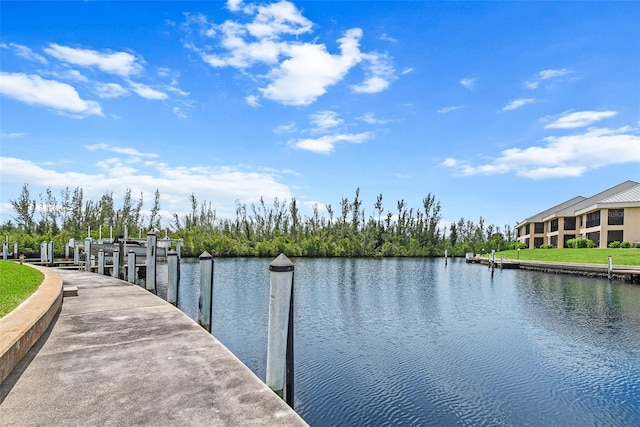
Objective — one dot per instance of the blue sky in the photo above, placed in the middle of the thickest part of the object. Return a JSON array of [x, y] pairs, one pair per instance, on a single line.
[[499, 109]]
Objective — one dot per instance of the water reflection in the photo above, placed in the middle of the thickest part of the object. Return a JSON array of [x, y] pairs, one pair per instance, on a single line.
[[415, 342]]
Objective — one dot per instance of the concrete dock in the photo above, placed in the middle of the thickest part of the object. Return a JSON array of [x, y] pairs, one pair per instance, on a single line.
[[117, 355]]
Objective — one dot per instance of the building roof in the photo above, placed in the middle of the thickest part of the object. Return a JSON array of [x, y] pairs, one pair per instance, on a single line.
[[592, 201], [630, 196], [539, 217], [624, 194]]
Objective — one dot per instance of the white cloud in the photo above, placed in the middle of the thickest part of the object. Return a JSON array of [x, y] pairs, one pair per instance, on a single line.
[[147, 92], [380, 74], [446, 110], [110, 90], [24, 52], [288, 128], [407, 71], [253, 100], [275, 19], [515, 104], [372, 119], [469, 82], [234, 5], [310, 70], [546, 75], [563, 156], [34, 90], [179, 113], [119, 63], [326, 143], [222, 186], [298, 72], [120, 150], [12, 134], [579, 119], [386, 37], [323, 120]]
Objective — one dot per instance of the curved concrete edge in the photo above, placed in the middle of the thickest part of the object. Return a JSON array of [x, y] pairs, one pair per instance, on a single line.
[[20, 329]]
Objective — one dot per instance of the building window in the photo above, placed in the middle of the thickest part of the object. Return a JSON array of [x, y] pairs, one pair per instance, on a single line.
[[553, 240], [527, 229], [554, 225], [538, 241], [594, 237], [526, 242], [570, 223], [614, 236], [539, 228], [616, 217], [593, 219]]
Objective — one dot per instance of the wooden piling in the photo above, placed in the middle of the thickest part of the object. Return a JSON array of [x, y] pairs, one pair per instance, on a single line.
[[610, 267], [87, 254], [101, 262], [150, 280], [173, 266], [131, 267], [116, 262], [205, 303], [50, 253], [280, 355]]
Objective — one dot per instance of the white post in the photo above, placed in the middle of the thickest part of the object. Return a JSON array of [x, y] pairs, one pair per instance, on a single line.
[[50, 253], [131, 267], [205, 303], [446, 253], [150, 281], [173, 265], [5, 250], [116, 264], [76, 254], [610, 268], [43, 252], [178, 247], [15, 249], [87, 254], [101, 262], [280, 334]]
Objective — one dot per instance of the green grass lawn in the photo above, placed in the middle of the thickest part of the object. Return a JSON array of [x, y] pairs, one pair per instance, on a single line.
[[630, 256], [17, 283]]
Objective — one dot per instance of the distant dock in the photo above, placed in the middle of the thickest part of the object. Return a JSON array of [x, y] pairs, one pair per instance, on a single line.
[[629, 274]]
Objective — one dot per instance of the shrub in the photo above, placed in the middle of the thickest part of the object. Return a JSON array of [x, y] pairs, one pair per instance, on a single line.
[[614, 244], [546, 246], [637, 245], [625, 245], [580, 242]]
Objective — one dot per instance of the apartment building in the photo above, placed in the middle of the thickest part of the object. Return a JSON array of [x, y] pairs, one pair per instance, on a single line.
[[611, 215]]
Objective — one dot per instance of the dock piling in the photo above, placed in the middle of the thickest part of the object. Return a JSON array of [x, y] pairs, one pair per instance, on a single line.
[[101, 262], [173, 266], [152, 241], [116, 263], [205, 303], [131, 266], [280, 356]]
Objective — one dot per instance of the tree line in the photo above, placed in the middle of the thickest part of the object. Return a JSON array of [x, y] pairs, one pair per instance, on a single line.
[[259, 229]]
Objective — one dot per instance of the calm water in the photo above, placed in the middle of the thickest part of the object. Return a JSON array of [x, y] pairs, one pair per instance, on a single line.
[[414, 342]]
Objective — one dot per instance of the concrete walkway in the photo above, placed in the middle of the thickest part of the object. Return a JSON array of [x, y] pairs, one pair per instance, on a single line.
[[117, 355]]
